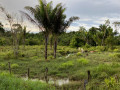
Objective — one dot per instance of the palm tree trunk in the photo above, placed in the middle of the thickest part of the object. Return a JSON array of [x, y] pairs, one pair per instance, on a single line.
[[51, 43], [46, 42], [23, 43], [55, 47]]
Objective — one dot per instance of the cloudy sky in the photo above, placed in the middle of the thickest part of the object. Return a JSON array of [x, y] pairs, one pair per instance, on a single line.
[[91, 12]]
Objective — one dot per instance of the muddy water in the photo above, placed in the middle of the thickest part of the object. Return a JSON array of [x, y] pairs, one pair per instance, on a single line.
[[58, 82]]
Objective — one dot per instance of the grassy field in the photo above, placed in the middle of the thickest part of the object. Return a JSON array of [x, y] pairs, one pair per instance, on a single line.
[[70, 63], [10, 82]]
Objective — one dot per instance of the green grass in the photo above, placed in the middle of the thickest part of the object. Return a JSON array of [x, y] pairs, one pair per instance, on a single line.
[[70, 63], [10, 82]]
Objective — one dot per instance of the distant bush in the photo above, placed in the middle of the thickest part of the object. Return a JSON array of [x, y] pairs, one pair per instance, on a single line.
[[66, 65], [77, 42], [79, 54], [78, 76], [9, 55], [87, 45], [103, 75], [115, 55], [110, 82], [83, 61], [2, 65], [14, 66], [108, 69], [50, 57], [101, 48], [116, 50], [64, 52]]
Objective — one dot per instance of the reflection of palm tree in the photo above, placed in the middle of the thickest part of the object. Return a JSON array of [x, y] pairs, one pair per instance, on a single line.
[[42, 14]]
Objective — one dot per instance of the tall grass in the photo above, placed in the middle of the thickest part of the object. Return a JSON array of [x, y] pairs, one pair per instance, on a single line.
[[10, 82]]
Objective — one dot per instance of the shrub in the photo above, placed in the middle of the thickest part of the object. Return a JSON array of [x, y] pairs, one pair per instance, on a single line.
[[83, 61], [115, 55], [14, 66], [116, 50], [2, 65], [110, 82], [76, 42], [66, 65], [50, 57], [103, 75], [79, 54], [64, 52], [108, 69], [9, 55], [78, 76], [101, 48], [87, 45]]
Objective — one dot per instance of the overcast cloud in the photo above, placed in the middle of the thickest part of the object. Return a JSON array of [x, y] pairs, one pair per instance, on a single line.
[[91, 12]]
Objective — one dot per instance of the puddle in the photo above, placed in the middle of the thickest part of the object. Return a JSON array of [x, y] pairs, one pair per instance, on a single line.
[[58, 82]]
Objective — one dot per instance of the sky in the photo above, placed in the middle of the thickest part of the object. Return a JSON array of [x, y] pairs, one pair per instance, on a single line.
[[91, 12]]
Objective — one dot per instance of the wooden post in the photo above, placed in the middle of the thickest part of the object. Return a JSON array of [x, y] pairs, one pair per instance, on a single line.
[[87, 54], [9, 67], [28, 73], [89, 75], [46, 76]]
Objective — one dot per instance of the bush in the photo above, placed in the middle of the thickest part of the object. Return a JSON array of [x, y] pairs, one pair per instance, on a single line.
[[2, 65], [115, 55], [116, 50], [87, 45], [64, 52], [110, 82], [79, 54], [50, 57], [14, 66], [108, 69], [103, 75], [67, 65], [9, 55], [77, 42], [83, 61], [78, 76], [101, 48]]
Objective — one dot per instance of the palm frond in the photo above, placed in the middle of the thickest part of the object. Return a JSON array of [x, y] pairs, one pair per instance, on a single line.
[[31, 9]]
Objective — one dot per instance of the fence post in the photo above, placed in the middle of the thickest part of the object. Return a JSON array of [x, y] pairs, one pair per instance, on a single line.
[[9, 67], [89, 75], [28, 73], [46, 76]]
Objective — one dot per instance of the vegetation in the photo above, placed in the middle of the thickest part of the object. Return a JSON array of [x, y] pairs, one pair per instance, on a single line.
[[89, 59], [11, 82], [102, 64]]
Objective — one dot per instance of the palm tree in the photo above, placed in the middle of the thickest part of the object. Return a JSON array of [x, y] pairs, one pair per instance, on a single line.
[[60, 24], [42, 14]]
